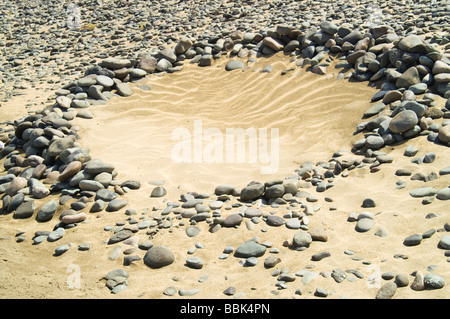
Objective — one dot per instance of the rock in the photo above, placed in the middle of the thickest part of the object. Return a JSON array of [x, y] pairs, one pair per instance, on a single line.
[[413, 240], [433, 281], [271, 261], [318, 234], [16, 185], [116, 204], [364, 224], [252, 191], [250, 249], [148, 63], [375, 109], [158, 191], [55, 235], [234, 65], [61, 250], [183, 45], [59, 145], [408, 78], [120, 236], [301, 239], [25, 210], [47, 211], [188, 292], [444, 242], [440, 67], [158, 256], [413, 44], [232, 220], [75, 218], [403, 121], [387, 291], [273, 44], [274, 220], [401, 280], [115, 63], [444, 134], [423, 192], [96, 167], [328, 27], [224, 190], [338, 275], [124, 89], [320, 292], [195, 262], [418, 283]]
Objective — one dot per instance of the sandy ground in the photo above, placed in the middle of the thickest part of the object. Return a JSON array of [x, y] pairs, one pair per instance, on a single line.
[[316, 116]]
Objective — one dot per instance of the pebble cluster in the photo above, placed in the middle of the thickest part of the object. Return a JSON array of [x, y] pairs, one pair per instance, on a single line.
[[43, 155]]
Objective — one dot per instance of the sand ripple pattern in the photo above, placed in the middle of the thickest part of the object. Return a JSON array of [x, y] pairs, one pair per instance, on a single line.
[[315, 115]]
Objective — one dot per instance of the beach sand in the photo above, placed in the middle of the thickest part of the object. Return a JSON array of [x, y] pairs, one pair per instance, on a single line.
[[316, 116]]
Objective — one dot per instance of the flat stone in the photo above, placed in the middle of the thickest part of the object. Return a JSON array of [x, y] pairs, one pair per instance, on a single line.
[[25, 210], [47, 211], [423, 192], [413, 240], [234, 65], [433, 281], [250, 249]]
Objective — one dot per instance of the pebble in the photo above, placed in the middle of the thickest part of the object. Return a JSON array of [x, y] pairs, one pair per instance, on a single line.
[[250, 249], [433, 281], [158, 256], [387, 291]]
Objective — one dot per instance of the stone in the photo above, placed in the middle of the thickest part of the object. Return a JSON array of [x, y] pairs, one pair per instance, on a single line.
[[274, 220], [418, 283], [120, 236], [232, 220], [401, 280], [158, 191], [234, 65], [116, 204], [413, 44], [46, 212], [25, 210], [194, 262], [183, 45], [413, 240], [423, 192], [409, 78], [444, 134], [159, 256], [301, 239], [387, 291], [15, 185], [61, 249], [252, 191], [271, 261], [273, 44], [55, 235], [444, 242], [250, 249], [328, 27], [364, 224], [148, 63], [403, 121], [124, 89], [433, 281], [75, 218]]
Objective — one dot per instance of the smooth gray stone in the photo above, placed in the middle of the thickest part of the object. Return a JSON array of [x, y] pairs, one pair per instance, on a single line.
[[116, 204], [25, 210], [56, 234], [46, 212], [250, 249], [158, 191], [195, 262], [443, 194], [433, 281], [188, 292], [106, 195], [232, 220], [444, 242], [61, 249], [274, 220], [252, 191], [423, 192], [120, 236], [413, 240], [158, 256], [364, 224]]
